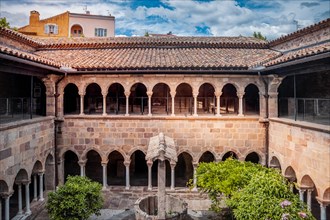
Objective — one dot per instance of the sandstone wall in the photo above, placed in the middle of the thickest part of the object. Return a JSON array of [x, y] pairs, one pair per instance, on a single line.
[[22, 144], [303, 147]]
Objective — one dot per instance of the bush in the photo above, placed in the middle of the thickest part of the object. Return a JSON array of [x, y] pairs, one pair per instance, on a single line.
[[76, 200]]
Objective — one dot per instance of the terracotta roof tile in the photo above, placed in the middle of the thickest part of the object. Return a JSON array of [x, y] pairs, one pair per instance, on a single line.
[[301, 53]]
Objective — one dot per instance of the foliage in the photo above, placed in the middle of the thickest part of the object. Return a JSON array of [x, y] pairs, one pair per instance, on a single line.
[[250, 190], [146, 34], [77, 199], [4, 23], [259, 36]]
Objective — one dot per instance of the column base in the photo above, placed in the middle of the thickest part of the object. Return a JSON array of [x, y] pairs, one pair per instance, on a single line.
[[126, 114], [195, 115], [149, 188], [194, 189], [172, 189], [172, 115], [127, 187], [41, 199], [240, 115], [218, 115], [28, 212], [149, 115], [104, 114], [104, 188]]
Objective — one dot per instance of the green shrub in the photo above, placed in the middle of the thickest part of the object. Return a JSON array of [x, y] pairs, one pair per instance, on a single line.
[[76, 200]]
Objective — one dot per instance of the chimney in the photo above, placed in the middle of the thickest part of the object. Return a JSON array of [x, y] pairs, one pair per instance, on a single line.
[[34, 18]]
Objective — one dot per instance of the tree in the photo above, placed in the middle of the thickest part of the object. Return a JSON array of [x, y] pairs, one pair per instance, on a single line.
[[259, 36], [250, 190], [146, 34], [76, 200], [4, 23]]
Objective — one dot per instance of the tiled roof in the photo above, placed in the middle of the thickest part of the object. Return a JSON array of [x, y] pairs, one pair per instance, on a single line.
[[318, 26], [160, 58], [18, 36], [300, 53], [30, 56]]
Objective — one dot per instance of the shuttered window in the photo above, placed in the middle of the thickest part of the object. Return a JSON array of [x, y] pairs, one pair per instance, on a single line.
[[51, 29], [100, 32]]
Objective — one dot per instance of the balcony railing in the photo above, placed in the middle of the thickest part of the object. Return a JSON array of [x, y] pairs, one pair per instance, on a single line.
[[305, 109]]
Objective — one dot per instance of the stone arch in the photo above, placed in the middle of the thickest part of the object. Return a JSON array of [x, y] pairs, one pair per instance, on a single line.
[[93, 99], [275, 163], [3, 187], [22, 175], [290, 174], [307, 182], [251, 102], [116, 168], [138, 169], [161, 100], [229, 154], [71, 166], [229, 99], [88, 149], [37, 167], [184, 169], [76, 30], [253, 157], [130, 153], [183, 101], [93, 167], [64, 150], [138, 99], [206, 100], [326, 194], [207, 157], [71, 99], [274, 84], [49, 172], [256, 84], [123, 154], [116, 99], [206, 82]]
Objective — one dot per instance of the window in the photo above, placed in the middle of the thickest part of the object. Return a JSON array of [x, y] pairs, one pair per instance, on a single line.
[[100, 32], [51, 29]]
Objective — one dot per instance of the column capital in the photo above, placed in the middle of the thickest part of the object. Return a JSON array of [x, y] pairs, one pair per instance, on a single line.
[[150, 162], [240, 94], [322, 202], [104, 93], [26, 182], [104, 162], [82, 93], [195, 94], [173, 93], [6, 195], [149, 93], [127, 93], [218, 93], [82, 162], [127, 162]]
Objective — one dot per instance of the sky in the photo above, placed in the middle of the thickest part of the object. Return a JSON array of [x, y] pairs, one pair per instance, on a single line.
[[273, 18]]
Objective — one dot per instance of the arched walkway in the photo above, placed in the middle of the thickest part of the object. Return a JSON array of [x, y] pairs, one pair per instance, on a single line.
[[138, 99], [155, 173], [229, 100], [21, 197], [183, 170], [206, 100], [93, 100], [71, 166], [161, 101], [50, 173], [184, 101], [116, 99], [251, 100], [207, 157], [116, 169], [253, 157], [138, 169], [229, 154], [71, 99], [93, 166], [275, 163], [4, 190]]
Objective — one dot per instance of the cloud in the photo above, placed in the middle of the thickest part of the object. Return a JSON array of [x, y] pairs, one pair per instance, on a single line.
[[309, 4]]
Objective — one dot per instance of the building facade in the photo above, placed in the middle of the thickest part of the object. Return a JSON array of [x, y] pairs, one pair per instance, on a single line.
[[82, 107], [70, 24]]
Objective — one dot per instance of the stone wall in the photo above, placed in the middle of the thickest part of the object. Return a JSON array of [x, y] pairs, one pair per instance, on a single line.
[[22, 144], [304, 147], [194, 135]]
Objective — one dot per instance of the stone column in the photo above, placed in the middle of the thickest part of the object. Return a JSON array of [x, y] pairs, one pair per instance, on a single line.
[[82, 103], [161, 189], [35, 188], [149, 103], [104, 169], [301, 194], [20, 210], [195, 177], [82, 167], [173, 99], [240, 103], [27, 197], [104, 95], [218, 94], [149, 164], [195, 104], [127, 163], [0, 207], [309, 199], [262, 105], [7, 197], [60, 171], [173, 176], [273, 104], [323, 211], [127, 102], [41, 186]]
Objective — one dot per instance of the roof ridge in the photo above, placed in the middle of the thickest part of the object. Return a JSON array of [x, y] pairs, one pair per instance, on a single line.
[[19, 36]]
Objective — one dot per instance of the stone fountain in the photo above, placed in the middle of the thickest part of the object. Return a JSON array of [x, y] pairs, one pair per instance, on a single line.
[[161, 206]]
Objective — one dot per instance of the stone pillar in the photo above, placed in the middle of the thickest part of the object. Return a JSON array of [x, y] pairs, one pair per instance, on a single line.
[[195, 177], [82, 103], [323, 211], [127, 163], [20, 210], [127, 102], [7, 197], [149, 164], [41, 186], [149, 103], [262, 105], [240, 103], [301, 194], [309, 199], [35, 188], [0, 207], [273, 104], [104, 169], [104, 95], [173, 99], [27, 197], [60, 171], [161, 189], [218, 94], [195, 104], [173, 176], [82, 167]]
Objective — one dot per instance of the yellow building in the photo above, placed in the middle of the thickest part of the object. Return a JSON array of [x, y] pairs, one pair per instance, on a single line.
[[70, 25]]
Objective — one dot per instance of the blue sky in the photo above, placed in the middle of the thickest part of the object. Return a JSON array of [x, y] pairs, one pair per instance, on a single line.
[[273, 18]]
